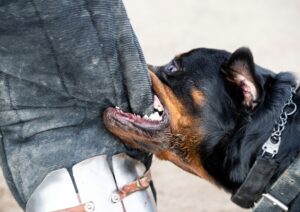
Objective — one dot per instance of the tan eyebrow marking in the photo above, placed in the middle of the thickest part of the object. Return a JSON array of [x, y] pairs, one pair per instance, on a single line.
[[197, 97]]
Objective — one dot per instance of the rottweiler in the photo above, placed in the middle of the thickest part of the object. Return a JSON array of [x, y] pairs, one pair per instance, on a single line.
[[214, 112]]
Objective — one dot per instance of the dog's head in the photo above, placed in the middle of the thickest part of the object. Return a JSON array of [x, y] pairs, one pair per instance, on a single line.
[[199, 94]]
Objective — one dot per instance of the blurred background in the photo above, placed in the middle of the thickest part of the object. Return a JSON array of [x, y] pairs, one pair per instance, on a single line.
[[271, 28]]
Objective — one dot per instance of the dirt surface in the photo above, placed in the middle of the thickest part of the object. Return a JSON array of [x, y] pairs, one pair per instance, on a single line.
[[165, 28]]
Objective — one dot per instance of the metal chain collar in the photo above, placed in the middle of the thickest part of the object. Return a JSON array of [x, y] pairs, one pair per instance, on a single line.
[[271, 146]]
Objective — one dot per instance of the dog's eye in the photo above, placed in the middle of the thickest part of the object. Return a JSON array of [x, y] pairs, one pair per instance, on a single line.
[[172, 68]]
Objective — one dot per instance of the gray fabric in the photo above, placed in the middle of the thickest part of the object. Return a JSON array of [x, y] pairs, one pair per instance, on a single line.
[[61, 64]]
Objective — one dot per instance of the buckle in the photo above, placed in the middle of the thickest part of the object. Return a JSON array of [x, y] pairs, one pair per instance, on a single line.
[[276, 202], [271, 147]]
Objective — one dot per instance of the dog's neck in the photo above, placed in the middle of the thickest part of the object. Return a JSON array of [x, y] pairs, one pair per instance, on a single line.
[[230, 158]]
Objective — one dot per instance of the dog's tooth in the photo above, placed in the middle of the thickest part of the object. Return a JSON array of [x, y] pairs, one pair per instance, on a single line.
[[155, 116], [160, 109], [118, 109], [145, 117], [157, 104], [151, 116]]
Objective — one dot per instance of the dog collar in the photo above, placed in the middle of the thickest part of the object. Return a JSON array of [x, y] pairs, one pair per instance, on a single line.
[[265, 166], [271, 146], [283, 191]]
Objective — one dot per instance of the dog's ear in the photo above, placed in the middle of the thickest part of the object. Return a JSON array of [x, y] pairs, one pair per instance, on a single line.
[[240, 72]]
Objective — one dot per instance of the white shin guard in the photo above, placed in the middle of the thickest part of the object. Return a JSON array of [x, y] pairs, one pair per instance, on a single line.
[[97, 188]]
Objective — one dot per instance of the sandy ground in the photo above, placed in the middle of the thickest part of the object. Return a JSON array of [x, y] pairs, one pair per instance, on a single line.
[[165, 28]]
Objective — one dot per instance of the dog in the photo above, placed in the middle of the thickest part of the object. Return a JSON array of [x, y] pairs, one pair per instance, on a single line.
[[214, 110]]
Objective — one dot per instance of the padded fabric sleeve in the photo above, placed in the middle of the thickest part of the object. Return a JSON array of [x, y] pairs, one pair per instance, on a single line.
[[61, 64]]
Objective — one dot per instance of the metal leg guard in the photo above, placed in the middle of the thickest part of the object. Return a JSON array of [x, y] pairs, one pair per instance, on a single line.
[[128, 170], [96, 187], [55, 192]]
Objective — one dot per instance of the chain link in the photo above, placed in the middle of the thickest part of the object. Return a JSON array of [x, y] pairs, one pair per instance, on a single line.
[[272, 144]]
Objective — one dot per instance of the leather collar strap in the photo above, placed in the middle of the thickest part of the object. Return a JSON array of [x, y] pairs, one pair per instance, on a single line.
[[255, 183], [283, 191]]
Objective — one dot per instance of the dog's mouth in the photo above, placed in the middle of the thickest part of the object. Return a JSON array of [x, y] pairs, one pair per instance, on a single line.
[[125, 124]]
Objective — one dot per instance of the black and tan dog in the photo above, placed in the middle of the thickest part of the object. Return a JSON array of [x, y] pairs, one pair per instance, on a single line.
[[215, 110]]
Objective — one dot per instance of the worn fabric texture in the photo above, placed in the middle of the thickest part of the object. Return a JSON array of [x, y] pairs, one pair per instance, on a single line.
[[61, 64]]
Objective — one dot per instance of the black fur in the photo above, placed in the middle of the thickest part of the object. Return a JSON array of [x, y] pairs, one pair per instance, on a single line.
[[234, 133]]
